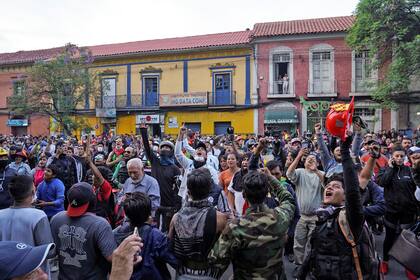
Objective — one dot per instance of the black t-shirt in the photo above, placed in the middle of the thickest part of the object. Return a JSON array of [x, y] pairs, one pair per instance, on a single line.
[[5, 176]]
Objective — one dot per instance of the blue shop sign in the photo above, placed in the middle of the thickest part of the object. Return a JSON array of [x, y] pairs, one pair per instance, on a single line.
[[17, 122]]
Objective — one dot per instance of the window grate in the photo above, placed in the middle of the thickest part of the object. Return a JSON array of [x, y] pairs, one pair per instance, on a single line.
[[321, 55], [281, 57]]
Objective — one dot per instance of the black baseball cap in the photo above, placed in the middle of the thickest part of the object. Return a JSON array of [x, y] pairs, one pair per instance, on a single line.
[[80, 196], [201, 145]]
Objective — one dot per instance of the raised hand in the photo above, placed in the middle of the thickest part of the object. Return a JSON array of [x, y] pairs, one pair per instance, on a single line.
[[125, 257], [182, 132], [303, 152], [318, 128], [262, 142]]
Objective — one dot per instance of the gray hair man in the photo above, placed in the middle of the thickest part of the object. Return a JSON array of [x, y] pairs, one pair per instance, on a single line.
[[141, 182]]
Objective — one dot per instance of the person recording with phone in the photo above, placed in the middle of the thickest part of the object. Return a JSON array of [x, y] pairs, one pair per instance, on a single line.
[[156, 251]]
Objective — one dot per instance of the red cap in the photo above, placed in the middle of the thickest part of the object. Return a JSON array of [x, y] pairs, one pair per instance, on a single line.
[[77, 211], [79, 197]]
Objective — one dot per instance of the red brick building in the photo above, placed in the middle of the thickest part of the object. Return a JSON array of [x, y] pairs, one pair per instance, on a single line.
[[320, 68], [12, 73]]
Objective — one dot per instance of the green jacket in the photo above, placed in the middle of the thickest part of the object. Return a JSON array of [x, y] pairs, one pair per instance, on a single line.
[[254, 242]]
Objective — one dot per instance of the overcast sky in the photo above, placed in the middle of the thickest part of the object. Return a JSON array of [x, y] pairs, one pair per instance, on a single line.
[[37, 24]]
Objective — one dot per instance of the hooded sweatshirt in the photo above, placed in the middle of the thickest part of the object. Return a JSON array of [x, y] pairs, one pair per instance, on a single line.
[[399, 189], [156, 252]]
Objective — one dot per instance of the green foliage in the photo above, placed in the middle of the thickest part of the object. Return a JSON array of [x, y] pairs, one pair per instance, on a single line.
[[57, 87], [390, 30]]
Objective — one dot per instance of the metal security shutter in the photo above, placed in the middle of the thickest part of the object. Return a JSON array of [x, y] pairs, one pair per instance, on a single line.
[[193, 126]]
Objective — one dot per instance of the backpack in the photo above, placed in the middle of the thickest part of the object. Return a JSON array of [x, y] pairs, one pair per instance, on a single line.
[[335, 254], [364, 253]]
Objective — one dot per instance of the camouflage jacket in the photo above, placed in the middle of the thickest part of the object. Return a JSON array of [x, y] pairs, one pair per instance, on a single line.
[[254, 242]]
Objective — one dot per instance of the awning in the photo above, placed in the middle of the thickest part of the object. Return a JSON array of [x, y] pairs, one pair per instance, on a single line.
[[281, 113]]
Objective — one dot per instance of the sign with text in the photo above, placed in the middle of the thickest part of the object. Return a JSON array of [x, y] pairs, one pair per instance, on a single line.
[[17, 122], [183, 99], [148, 119], [173, 122], [106, 112]]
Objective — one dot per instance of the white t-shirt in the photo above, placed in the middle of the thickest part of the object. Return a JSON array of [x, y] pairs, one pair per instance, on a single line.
[[239, 199]]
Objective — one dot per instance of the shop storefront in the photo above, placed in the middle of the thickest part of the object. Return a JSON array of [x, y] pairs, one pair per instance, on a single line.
[[279, 117], [19, 127], [315, 111], [154, 121], [108, 117]]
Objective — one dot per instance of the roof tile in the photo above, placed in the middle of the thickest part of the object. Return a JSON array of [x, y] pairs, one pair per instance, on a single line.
[[320, 25], [305, 26], [148, 46], [28, 56], [173, 44]]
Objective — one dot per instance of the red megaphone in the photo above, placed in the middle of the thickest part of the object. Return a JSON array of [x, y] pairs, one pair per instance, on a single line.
[[339, 119]]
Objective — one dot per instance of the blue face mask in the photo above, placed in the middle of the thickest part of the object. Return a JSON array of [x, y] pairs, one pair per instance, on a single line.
[[166, 158]]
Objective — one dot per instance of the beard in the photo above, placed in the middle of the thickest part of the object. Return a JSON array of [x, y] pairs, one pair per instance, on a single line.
[[136, 180]]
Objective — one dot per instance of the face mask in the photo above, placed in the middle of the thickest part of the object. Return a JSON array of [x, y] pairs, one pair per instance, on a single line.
[[155, 148], [3, 163], [165, 153], [100, 149], [199, 158]]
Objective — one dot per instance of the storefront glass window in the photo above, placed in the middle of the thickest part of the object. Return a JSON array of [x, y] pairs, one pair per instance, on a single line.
[[315, 117]]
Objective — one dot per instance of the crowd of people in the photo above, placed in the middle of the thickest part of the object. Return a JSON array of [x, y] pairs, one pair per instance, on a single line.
[[130, 207]]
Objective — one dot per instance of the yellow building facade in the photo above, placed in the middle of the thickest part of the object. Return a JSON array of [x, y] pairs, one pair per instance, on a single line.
[[207, 90]]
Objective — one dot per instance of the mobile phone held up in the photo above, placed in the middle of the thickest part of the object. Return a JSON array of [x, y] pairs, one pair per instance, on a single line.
[[230, 130]]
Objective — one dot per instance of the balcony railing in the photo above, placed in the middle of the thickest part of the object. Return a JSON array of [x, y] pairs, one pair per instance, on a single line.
[[221, 99], [363, 87], [205, 99], [119, 101], [278, 91], [322, 88], [105, 102]]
